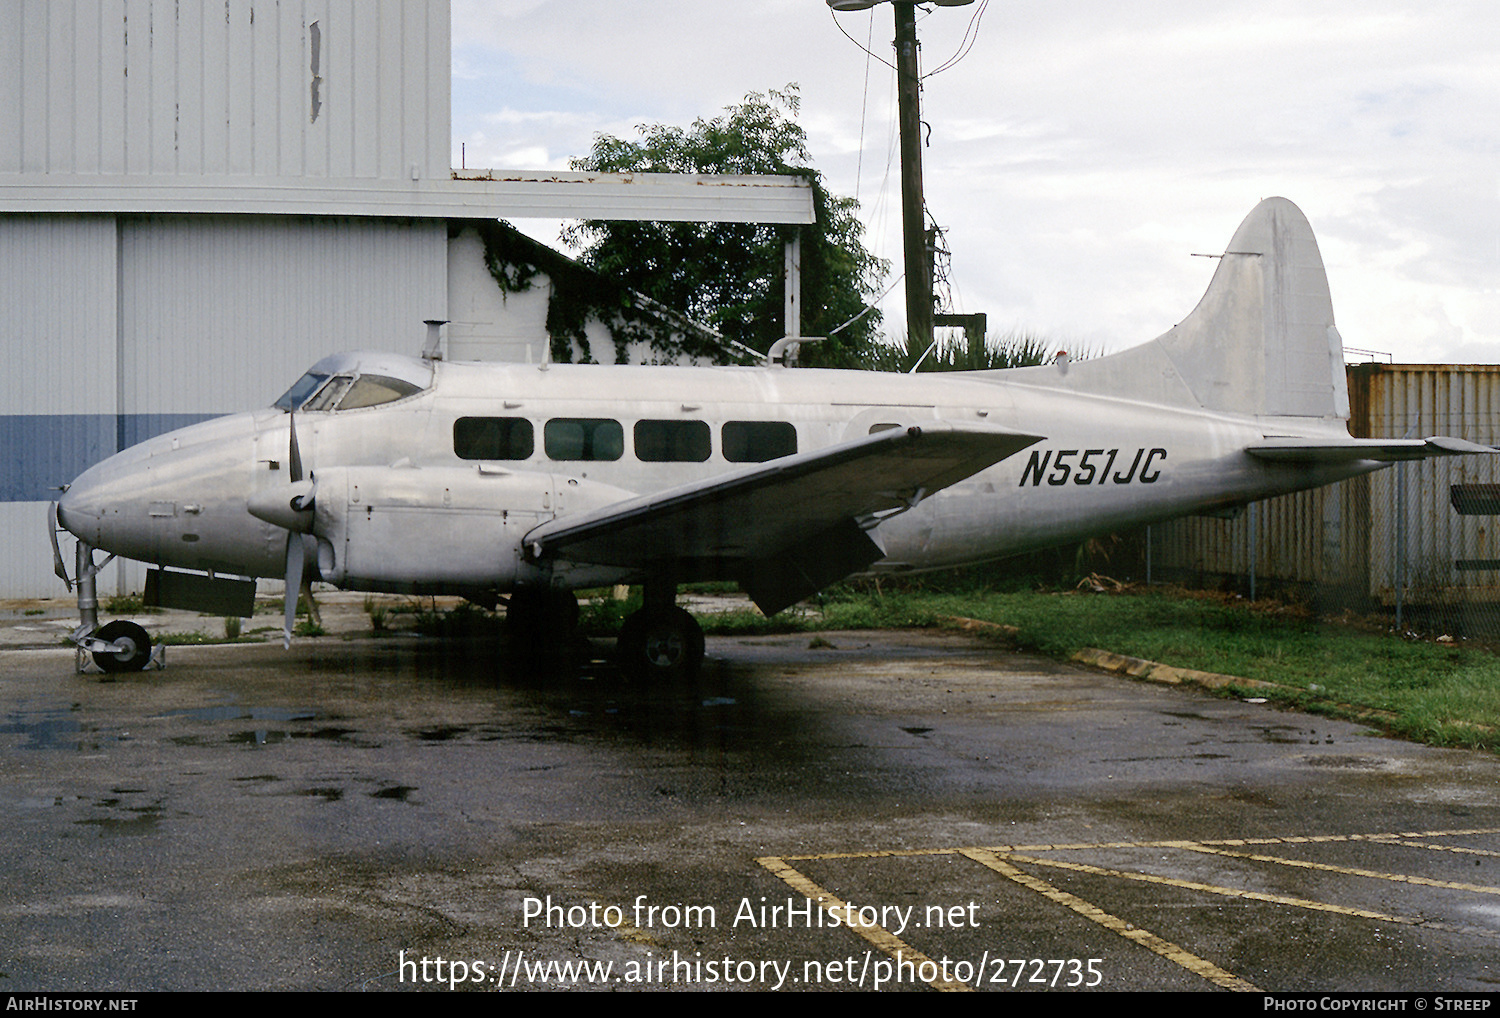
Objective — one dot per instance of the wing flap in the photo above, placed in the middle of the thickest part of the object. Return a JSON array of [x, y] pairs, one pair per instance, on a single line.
[[723, 525]]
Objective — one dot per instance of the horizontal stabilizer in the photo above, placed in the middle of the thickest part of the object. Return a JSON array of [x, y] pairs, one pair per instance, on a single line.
[[1349, 450]]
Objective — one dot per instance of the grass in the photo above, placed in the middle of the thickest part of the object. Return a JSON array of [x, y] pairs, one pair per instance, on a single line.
[[129, 604], [201, 639]]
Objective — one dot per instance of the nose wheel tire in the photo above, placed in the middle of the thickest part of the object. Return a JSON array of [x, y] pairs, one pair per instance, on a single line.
[[135, 647], [663, 643]]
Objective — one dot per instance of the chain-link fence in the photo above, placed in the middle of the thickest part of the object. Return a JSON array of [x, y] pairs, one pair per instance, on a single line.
[[1417, 542]]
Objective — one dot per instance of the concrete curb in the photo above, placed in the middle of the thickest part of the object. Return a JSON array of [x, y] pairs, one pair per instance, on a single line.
[[1155, 671]]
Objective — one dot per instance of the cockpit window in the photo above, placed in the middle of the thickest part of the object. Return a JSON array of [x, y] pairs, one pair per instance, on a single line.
[[315, 391], [350, 381], [373, 390], [300, 390], [328, 397]]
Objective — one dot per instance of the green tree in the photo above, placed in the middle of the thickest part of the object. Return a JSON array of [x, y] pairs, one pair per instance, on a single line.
[[730, 275]]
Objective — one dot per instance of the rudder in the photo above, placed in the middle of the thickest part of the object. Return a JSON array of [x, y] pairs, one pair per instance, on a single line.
[[1262, 340]]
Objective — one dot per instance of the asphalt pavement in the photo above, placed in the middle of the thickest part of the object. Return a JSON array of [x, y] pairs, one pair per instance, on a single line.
[[907, 810]]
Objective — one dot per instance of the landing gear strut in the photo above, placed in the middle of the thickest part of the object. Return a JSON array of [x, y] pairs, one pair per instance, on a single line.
[[117, 646], [660, 640]]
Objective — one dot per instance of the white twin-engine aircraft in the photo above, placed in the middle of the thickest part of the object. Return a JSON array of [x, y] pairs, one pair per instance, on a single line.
[[525, 483]]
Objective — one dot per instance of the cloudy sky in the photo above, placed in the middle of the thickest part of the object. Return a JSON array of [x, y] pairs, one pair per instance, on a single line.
[[1080, 153]]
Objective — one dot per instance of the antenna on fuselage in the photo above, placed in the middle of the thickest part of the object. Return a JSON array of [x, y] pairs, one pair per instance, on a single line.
[[431, 351]]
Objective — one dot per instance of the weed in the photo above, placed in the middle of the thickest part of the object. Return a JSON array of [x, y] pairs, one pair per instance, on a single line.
[[464, 619], [129, 604], [377, 611]]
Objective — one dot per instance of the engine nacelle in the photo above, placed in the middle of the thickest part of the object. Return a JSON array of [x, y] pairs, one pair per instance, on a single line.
[[438, 529]]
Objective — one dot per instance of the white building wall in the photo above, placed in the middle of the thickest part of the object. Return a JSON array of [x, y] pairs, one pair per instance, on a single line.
[[487, 323]]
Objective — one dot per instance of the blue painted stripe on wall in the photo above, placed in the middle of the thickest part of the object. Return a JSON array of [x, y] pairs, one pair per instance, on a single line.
[[41, 452]]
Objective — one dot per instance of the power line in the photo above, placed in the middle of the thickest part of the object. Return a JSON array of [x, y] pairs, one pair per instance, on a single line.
[[971, 36]]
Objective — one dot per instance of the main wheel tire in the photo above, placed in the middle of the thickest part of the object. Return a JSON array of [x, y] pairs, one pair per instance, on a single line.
[[135, 647], [665, 643]]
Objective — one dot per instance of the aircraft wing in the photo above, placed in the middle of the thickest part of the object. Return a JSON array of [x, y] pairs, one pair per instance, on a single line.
[[1300, 450], [784, 528]]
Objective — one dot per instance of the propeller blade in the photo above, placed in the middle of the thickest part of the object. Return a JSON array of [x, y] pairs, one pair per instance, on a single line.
[[294, 555], [305, 499]]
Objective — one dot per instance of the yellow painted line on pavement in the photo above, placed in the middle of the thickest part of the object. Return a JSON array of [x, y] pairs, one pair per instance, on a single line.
[[1400, 878], [1428, 846], [1229, 892], [1004, 859], [879, 936], [1274, 899], [1077, 846], [1168, 950]]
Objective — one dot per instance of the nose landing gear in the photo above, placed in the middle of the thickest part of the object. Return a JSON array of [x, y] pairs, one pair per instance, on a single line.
[[115, 647], [134, 647]]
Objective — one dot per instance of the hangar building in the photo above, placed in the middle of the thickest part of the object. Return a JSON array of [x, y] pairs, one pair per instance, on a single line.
[[199, 199]]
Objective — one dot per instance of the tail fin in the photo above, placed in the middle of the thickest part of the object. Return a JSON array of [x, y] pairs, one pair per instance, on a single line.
[[1261, 341]]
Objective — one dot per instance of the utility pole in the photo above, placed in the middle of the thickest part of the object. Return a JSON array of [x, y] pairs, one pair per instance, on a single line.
[[913, 213], [913, 206]]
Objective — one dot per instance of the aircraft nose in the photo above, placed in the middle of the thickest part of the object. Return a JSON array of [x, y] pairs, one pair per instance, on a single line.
[[175, 500], [80, 509]]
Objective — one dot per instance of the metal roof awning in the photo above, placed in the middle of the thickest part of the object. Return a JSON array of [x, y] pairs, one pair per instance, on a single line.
[[466, 194]]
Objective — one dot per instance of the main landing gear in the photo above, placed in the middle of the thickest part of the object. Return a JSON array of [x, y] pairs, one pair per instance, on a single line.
[[660, 640]]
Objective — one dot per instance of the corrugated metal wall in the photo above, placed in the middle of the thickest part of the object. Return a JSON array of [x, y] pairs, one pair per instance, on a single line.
[[117, 327], [125, 327], [226, 311], [269, 88], [57, 394], [1417, 536], [1370, 542]]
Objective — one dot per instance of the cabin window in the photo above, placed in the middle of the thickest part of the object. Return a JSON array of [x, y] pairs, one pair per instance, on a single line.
[[758, 441], [493, 438], [671, 441], [583, 438]]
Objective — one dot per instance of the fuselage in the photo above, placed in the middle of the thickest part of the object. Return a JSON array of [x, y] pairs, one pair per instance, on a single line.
[[573, 437]]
